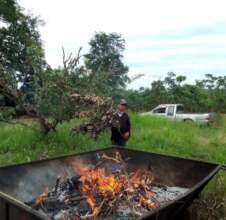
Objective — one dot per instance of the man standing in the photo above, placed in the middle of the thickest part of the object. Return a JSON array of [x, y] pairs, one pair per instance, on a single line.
[[120, 130]]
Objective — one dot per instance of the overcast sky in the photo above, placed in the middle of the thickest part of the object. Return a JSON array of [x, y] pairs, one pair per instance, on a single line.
[[184, 36]]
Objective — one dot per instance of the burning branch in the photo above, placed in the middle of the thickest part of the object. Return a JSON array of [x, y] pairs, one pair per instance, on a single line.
[[104, 192]]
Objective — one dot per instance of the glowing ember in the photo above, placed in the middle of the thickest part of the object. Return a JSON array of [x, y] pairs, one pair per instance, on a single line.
[[41, 197]]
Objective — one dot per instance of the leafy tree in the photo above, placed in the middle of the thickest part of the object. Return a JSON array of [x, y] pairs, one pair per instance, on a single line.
[[30, 84], [208, 94], [21, 52], [106, 56], [8, 10], [158, 93]]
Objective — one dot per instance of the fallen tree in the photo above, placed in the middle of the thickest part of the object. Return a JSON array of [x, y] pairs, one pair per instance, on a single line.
[[55, 99]]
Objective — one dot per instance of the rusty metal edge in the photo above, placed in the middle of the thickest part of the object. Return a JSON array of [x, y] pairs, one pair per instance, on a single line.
[[22, 205]]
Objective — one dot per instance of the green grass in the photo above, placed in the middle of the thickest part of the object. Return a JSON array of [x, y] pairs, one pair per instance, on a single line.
[[180, 138], [19, 144]]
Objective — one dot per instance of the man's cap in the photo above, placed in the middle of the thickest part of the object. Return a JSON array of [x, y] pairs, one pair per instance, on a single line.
[[123, 102]]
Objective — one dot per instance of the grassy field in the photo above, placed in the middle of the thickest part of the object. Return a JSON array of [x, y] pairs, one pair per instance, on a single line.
[[19, 144]]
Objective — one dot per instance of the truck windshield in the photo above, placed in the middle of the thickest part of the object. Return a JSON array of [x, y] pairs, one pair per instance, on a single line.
[[180, 109]]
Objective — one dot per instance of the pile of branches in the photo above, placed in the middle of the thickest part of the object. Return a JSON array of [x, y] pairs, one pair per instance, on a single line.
[[98, 192], [103, 117]]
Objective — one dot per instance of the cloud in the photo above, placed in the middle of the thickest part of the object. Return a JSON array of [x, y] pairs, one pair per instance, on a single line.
[[183, 36], [175, 54], [198, 42], [192, 51]]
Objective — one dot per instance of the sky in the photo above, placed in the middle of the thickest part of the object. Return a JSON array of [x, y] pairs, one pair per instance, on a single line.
[[187, 37]]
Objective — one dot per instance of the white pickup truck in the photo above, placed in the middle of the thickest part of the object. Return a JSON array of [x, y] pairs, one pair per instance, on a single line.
[[176, 111]]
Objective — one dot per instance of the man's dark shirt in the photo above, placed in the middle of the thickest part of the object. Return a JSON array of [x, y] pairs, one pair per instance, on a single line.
[[124, 123]]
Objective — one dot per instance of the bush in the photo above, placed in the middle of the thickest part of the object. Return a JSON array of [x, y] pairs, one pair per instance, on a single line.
[[7, 112]]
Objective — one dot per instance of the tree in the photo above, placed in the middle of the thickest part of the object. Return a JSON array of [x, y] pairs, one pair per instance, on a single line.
[[21, 52], [8, 10], [56, 99], [158, 93], [174, 87], [21, 55], [28, 83], [106, 56]]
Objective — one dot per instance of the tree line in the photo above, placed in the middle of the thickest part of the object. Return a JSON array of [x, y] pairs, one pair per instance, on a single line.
[[206, 95], [30, 86]]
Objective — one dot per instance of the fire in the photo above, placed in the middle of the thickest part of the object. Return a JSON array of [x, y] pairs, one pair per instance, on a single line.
[[91, 201], [97, 182], [105, 191], [41, 197], [146, 202]]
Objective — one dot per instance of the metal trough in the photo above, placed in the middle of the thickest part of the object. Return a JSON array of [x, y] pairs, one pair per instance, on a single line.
[[23, 182]]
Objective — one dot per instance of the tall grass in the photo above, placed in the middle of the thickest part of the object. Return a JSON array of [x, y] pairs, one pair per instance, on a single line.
[[21, 144], [185, 139]]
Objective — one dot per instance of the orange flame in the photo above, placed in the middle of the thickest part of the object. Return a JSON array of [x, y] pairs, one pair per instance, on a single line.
[[41, 197], [97, 182]]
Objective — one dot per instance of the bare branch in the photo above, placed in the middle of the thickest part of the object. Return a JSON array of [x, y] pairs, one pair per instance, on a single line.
[[71, 62], [137, 76]]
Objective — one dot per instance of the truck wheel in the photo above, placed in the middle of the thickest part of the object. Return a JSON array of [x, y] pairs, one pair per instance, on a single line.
[[188, 120]]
